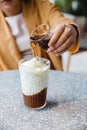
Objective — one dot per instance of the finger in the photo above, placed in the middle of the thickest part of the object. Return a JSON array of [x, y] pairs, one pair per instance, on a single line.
[[66, 34], [57, 34], [73, 30], [65, 46], [59, 53]]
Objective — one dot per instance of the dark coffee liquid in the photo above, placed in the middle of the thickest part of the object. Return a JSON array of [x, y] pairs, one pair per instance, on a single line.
[[41, 40], [36, 100]]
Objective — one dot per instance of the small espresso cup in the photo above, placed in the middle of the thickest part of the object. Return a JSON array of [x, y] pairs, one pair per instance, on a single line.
[[41, 36], [34, 81]]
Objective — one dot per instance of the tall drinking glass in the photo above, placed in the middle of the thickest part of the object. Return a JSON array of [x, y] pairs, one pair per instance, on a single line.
[[34, 81]]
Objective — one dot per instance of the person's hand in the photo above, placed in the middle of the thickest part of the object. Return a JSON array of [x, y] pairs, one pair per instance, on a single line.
[[62, 39]]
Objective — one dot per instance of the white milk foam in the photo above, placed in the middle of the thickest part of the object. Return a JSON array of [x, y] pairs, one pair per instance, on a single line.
[[34, 75]]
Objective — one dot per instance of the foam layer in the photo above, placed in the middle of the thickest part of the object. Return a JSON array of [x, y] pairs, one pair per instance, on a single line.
[[35, 77]]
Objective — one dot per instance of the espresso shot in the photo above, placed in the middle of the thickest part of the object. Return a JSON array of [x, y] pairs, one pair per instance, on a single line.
[[41, 36]]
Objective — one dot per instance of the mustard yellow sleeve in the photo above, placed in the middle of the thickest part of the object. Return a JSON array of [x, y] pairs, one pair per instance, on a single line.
[[0, 68]]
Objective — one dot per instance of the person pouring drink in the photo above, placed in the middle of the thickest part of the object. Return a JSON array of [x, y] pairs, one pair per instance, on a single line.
[[18, 18]]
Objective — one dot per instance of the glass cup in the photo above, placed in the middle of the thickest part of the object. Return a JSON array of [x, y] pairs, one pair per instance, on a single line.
[[41, 36], [34, 81]]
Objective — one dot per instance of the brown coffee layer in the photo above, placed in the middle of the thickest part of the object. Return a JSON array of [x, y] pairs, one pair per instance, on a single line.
[[36, 100], [41, 40]]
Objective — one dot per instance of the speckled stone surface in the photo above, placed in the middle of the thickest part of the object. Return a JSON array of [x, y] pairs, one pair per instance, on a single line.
[[66, 107]]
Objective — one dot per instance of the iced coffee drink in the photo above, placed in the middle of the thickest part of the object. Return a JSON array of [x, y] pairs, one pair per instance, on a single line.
[[34, 81]]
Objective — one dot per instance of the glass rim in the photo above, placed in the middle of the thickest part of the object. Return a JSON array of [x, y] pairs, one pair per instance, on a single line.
[[38, 27], [28, 58]]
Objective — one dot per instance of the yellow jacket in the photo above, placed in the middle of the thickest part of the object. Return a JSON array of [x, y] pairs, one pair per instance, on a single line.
[[35, 13]]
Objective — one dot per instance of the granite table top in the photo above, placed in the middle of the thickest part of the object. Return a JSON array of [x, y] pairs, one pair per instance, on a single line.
[[66, 107]]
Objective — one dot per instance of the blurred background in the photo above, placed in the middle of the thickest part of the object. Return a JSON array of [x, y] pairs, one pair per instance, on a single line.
[[77, 11]]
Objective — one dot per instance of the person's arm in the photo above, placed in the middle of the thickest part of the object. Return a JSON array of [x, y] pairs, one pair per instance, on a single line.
[[50, 13], [72, 28]]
